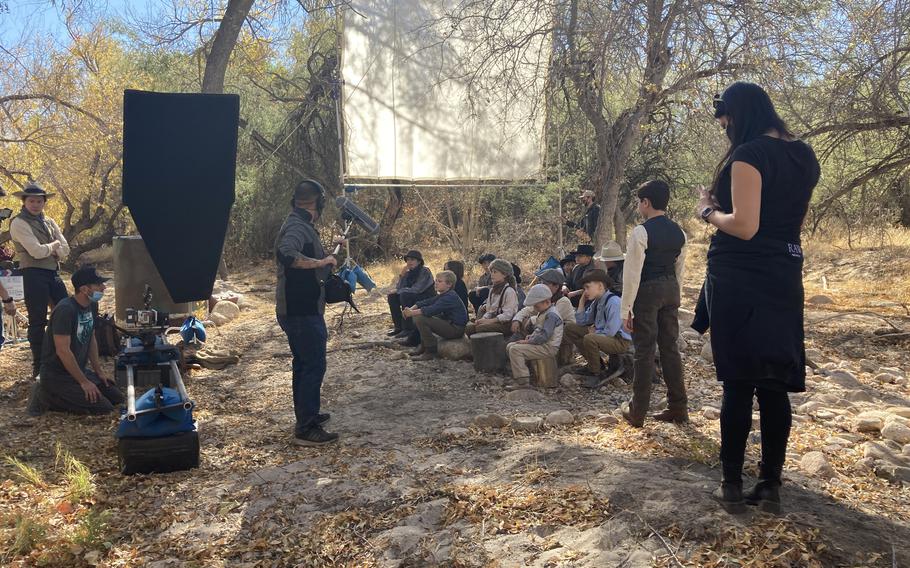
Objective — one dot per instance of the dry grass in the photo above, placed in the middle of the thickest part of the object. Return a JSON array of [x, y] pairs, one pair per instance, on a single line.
[[26, 472]]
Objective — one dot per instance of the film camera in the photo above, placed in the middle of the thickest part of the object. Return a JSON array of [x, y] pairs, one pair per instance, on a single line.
[[146, 317]]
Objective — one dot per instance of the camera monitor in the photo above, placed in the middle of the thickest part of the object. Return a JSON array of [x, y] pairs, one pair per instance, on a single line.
[[179, 157]]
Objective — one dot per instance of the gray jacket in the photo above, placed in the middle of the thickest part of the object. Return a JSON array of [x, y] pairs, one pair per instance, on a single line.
[[299, 291]]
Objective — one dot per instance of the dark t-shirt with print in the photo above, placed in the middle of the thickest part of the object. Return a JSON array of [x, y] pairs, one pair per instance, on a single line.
[[68, 318]]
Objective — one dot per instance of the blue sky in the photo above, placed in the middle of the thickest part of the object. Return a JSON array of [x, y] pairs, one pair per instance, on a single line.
[[44, 16]]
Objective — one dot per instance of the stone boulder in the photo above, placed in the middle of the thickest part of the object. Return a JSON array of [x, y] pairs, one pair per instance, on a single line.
[[525, 395], [559, 418], [455, 432], [527, 423], [843, 378], [490, 421], [871, 421], [711, 413], [706, 352], [886, 378], [569, 381], [820, 300], [816, 464], [896, 432], [219, 319], [226, 308], [455, 349]]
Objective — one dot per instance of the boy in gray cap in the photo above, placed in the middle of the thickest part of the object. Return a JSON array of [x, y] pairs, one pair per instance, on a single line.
[[545, 339]]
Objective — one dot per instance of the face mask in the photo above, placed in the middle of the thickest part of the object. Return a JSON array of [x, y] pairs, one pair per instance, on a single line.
[[96, 296]]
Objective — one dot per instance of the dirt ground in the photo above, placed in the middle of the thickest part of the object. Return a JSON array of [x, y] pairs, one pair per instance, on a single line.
[[414, 481]]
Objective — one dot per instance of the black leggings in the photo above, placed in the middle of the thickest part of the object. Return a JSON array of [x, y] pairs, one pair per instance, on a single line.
[[42, 288], [736, 421]]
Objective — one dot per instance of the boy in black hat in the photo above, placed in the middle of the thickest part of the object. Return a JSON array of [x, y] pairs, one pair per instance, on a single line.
[[415, 283], [584, 263], [65, 383]]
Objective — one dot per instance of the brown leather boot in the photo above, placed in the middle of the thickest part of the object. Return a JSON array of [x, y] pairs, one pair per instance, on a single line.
[[675, 416], [632, 420]]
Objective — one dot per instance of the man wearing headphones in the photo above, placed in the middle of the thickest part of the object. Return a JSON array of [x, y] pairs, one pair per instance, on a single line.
[[303, 266]]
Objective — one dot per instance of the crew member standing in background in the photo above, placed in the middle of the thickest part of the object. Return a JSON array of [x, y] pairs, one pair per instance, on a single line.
[[303, 266], [585, 227], [40, 246]]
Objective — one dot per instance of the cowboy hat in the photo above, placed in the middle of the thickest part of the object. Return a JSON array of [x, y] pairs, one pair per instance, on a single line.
[[610, 252], [33, 190], [584, 250]]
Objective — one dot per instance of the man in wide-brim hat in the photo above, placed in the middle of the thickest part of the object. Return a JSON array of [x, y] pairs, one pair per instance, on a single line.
[[613, 258], [584, 263], [40, 246], [585, 227]]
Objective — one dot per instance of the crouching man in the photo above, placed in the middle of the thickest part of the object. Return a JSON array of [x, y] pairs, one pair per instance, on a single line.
[[66, 385], [444, 314], [545, 338]]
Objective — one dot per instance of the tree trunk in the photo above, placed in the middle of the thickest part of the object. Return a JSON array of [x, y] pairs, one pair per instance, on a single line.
[[216, 62], [393, 207]]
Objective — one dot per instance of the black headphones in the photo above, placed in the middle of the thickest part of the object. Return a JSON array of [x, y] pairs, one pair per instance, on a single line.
[[311, 186]]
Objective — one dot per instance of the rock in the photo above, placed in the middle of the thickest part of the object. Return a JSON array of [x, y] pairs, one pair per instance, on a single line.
[[610, 420], [893, 371], [219, 319], [893, 472], [877, 451], [816, 356], [455, 432], [902, 411], [897, 432], [824, 414], [886, 378], [906, 450], [588, 415], [902, 382], [816, 464], [617, 382], [398, 356], [527, 423], [809, 407], [711, 413], [568, 381], [455, 349], [559, 418], [490, 421], [868, 422], [681, 343], [706, 352], [691, 335], [820, 300], [844, 378], [858, 396], [228, 309], [868, 366], [92, 558], [524, 395], [400, 540]]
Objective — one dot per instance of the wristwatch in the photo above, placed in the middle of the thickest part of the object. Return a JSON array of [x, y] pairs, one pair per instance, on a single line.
[[8, 300], [706, 213]]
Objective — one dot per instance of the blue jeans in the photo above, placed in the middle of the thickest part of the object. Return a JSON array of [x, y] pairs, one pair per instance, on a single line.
[[307, 336]]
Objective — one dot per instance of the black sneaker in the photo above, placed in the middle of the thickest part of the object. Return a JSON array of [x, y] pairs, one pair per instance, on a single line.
[[765, 495], [314, 436], [393, 332]]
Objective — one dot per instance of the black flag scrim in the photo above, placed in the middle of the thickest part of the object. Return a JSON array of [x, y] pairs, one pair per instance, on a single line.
[[179, 156]]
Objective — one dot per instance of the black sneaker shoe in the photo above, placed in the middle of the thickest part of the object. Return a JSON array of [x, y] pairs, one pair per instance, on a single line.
[[314, 436], [401, 334], [393, 333]]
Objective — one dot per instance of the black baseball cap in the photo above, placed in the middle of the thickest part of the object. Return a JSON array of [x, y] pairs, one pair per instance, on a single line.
[[87, 275]]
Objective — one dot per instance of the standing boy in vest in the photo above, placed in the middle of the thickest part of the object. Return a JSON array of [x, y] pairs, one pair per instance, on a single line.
[[652, 278]]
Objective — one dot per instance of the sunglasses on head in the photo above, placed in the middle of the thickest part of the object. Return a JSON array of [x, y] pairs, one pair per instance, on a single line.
[[720, 107]]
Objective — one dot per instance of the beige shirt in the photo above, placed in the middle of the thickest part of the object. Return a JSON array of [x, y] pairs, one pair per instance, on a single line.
[[631, 271], [22, 233], [509, 305]]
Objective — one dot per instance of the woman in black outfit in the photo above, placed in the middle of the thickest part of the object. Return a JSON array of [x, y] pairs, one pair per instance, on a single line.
[[753, 294]]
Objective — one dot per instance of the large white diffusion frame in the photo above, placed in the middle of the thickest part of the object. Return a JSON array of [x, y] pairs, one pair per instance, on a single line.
[[415, 106]]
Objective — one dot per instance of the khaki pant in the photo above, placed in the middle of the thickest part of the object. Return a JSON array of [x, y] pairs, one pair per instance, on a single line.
[[590, 344], [427, 326], [503, 327], [521, 353]]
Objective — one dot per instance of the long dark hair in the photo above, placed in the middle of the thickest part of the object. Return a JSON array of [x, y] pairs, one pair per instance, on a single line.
[[751, 113]]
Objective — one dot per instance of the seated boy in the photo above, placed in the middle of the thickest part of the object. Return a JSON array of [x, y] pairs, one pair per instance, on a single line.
[[495, 315], [545, 339], [444, 314], [598, 326], [415, 283]]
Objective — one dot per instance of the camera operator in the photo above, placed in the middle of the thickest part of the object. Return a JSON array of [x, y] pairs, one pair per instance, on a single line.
[[303, 266], [40, 246], [66, 384]]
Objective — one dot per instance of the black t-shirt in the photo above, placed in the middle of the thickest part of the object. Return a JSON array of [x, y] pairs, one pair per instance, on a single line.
[[68, 318], [789, 172], [462, 290]]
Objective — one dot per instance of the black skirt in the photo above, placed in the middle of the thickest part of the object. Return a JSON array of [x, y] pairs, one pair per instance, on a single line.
[[754, 298]]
